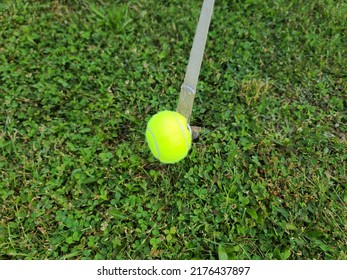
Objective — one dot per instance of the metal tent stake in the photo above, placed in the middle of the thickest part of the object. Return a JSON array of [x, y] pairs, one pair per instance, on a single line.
[[188, 88]]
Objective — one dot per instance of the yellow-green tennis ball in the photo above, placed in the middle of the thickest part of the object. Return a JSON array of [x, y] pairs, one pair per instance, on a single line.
[[168, 136]]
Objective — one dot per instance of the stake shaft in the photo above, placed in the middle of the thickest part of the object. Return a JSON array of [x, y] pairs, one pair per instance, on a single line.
[[188, 88]]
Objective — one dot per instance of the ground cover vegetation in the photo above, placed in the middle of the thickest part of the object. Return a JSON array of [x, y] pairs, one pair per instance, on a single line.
[[265, 180]]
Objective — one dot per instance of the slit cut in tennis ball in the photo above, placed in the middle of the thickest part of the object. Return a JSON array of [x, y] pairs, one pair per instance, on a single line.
[[168, 136]]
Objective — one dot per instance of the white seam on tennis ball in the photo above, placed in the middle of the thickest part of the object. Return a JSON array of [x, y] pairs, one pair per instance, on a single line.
[[189, 128], [184, 133], [155, 142], [190, 132]]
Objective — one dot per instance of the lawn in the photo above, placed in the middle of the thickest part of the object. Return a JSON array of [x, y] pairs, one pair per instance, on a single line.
[[267, 177]]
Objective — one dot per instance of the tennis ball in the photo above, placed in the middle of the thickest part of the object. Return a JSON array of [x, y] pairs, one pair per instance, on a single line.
[[168, 136]]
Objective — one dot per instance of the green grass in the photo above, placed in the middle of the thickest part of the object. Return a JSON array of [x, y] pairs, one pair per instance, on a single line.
[[265, 180]]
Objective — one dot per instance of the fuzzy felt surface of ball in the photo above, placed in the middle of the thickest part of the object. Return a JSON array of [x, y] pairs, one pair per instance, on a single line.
[[168, 136]]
